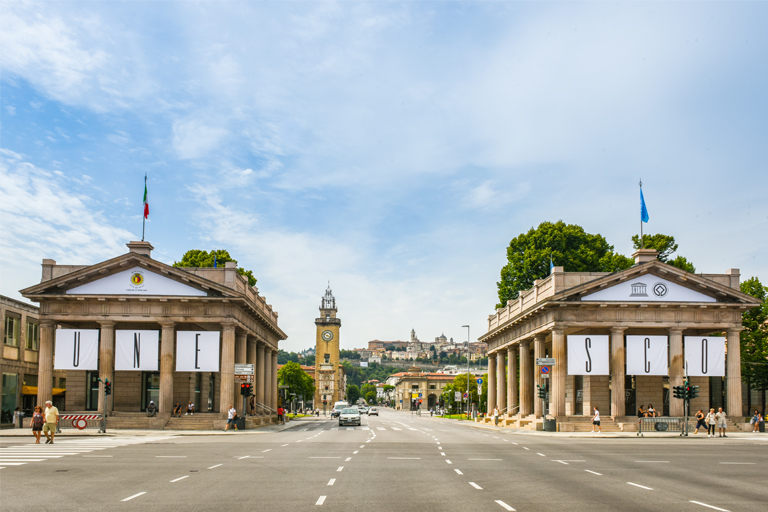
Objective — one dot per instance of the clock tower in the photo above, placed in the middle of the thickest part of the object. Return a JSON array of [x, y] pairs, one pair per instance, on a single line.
[[328, 381]]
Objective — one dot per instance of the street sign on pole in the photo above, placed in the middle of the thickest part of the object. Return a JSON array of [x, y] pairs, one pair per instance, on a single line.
[[479, 389], [244, 369], [479, 381], [457, 396], [548, 361], [544, 370]]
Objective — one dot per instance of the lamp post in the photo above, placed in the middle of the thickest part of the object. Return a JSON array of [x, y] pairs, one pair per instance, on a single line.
[[467, 347]]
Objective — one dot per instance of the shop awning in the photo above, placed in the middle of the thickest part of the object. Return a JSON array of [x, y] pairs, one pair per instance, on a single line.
[[32, 390]]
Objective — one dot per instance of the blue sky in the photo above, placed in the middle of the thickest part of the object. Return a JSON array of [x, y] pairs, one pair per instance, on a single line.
[[390, 148]]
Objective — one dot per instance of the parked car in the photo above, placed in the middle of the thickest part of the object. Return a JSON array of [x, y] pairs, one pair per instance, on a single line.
[[349, 416], [373, 411]]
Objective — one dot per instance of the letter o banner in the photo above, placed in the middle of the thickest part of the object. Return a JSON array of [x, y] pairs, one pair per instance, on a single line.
[[80, 423]]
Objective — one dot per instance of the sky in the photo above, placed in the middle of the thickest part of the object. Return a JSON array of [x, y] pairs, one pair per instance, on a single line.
[[392, 149]]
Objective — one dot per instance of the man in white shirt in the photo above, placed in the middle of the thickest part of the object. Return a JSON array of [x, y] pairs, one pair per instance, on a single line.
[[231, 415], [721, 422], [51, 415]]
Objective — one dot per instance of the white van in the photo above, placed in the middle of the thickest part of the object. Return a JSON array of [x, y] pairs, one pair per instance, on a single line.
[[337, 407]]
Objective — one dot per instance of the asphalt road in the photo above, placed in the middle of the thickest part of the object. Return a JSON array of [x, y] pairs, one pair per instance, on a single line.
[[396, 462]]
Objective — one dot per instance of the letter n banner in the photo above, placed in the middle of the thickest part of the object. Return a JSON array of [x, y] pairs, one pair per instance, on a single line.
[[197, 351], [588, 355], [76, 349], [137, 350]]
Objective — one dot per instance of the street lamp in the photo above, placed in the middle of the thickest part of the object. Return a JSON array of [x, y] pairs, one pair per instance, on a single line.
[[467, 346]]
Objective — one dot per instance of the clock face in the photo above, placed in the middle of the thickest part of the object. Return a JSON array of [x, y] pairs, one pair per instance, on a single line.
[[327, 335]]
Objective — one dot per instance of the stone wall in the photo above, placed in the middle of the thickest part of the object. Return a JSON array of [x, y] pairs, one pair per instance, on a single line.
[[650, 390], [596, 394], [75, 390], [127, 391]]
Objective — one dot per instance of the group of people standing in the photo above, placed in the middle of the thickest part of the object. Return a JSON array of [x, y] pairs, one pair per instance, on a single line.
[[711, 421], [45, 422]]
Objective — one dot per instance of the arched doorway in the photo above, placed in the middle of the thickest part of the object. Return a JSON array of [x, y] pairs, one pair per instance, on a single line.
[[431, 401]]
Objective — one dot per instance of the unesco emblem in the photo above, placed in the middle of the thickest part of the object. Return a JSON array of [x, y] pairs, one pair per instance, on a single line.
[[659, 289], [137, 279]]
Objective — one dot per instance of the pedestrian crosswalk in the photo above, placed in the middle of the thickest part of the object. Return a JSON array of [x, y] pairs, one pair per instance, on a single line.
[[19, 455]]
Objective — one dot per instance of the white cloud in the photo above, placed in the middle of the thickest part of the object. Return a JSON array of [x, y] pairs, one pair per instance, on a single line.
[[193, 138]]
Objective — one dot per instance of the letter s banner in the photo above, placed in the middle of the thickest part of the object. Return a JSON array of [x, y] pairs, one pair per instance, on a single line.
[[588, 355]]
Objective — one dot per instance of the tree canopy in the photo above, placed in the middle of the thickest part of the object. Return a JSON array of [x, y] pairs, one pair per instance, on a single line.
[[198, 258], [666, 246], [460, 384], [754, 337], [353, 393], [297, 380]]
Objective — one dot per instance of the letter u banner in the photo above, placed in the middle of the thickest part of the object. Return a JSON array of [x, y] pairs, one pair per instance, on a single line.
[[76, 349], [647, 355], [197, 351], [588, 355], [705, 356], [137, 350]]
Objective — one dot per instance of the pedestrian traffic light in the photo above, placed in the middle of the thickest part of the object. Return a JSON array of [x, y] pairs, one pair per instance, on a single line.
[[245, 389], [679, 392], [107, 387], [542, 391]]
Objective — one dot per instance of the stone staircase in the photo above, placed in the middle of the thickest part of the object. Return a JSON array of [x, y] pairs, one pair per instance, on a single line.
[[197, 421], [133, 420], [584, 424]]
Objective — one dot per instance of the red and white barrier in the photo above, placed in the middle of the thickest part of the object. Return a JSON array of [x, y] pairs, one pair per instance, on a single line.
[[80, 421]]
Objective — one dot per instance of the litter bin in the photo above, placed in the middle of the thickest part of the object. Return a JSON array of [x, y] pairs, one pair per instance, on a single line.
[[550, 425], [761, 426], [240, 422]]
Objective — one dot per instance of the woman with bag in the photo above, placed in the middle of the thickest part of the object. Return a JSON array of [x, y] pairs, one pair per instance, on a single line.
[[37, 423], [711, 422], [699, 421]]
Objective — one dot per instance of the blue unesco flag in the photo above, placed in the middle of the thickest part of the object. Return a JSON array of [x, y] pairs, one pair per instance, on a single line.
[[643, 210]]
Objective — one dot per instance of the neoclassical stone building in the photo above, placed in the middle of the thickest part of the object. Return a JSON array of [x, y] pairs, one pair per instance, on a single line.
[[164, 334], [600, 328]]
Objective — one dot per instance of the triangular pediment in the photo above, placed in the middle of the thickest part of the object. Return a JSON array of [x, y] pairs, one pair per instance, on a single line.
[[129, 275], [647, 288]]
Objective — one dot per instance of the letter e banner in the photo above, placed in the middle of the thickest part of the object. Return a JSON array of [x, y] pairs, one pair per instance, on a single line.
[[197, 351]]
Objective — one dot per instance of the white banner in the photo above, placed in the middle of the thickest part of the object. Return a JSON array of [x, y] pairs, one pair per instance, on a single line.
[[705, 356], [137, 350], [135, 281], [647, 355], [588, 355], [197, 351], [76, 349]]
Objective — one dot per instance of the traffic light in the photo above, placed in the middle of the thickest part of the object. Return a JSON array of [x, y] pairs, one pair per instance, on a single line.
[[694, 392], [679, 392], [245, 389], [107, 387], [542, 391]]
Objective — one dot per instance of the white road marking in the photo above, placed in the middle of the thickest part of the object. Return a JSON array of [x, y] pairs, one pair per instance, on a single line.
[[170, 456], [561, 462], [366, 428], [13, 463], [439, 447], [661, 461], [442, 453], [325, 457], [265, 451], [331, 481], [524, 448], [449, 462], [512, 442], [354, 452], [244, 457], [395, 428], [473, 484], [709, 506], [404, 458], [458, 472], [180, 478], [98, 456], [348, 459], [134, 496], [593, 472], [286, 444], [641, 486], [506, 507], [320, 500], [566, 461], [217, 465], [541, 454], [746, 463], [300, 440], [340, 468], [362, 446], [483, 459], [380, 428], [9, 461], [368, 441]]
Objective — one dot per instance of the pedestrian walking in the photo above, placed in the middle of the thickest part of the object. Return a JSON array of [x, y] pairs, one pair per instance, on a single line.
[[756, 419], [711, 422], [495, 415], [17, 418], [280, 412], [721, 421], [51, 415], [596, 422], [700, 421], [37, 423], [231, 418]]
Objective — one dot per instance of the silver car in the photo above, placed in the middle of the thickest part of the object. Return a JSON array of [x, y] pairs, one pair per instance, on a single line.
[[349, 416]]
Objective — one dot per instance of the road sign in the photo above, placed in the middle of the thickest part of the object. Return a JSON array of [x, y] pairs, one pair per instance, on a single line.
[[420, 396], [457, 395], [544, 375], [479, 381], [548, 361], [244, 379], [283, 387], [465, 395], [544, 370], [414, 396], [244, 369], [479, 389]]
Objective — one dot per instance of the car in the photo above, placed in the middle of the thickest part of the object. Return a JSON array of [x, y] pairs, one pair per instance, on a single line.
[[363, 409], [337, 408], [373, 411], [349, 416]]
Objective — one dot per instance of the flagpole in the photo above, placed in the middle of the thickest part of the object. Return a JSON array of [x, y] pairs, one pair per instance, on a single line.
[[642, 240], [144, 217]]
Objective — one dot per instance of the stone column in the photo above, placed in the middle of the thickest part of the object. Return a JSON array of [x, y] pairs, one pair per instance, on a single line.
[[273, 380], [45, 363], [538, 352], [491, 382], [618, 399], [512, 399], [733, 374], [557, 395], [106, 363], [167, 339], [227, 368], [501, 379], [676, 369], [526, 379], [241, 342], [250, 358], [261, 379]]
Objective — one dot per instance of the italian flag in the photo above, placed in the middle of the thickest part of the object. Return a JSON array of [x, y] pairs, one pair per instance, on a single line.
[[146, 204]]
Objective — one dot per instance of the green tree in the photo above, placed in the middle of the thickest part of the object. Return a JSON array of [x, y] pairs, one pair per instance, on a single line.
[[754, 337], [370, 397], [353, 393], [198, 258], [367, 388], [567, 245], [297, 380], [666, 246]]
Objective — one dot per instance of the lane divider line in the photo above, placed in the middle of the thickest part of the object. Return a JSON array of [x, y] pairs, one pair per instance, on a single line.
[[320, 500], [709, 506], [458, 472], [180, 478], [473, 484], [449, 462], [505, 506], [593, 472], [217, 465], [331, 481], [340, 468], [134, 496], [641, 486]]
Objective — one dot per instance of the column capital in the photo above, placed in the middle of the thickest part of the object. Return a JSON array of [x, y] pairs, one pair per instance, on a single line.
[[675, 330], [106, 324], [167, 325], [228, 326], [46, 323], [558, 330], [540, 336], [735, 330], [618, 330]]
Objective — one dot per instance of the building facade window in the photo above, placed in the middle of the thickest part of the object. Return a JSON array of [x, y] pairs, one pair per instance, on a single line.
[[33, 336], [12, 331], [10, 396]]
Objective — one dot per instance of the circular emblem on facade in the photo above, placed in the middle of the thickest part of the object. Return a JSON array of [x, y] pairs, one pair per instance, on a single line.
[[659, 289], [327, 335], [137, 279]]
